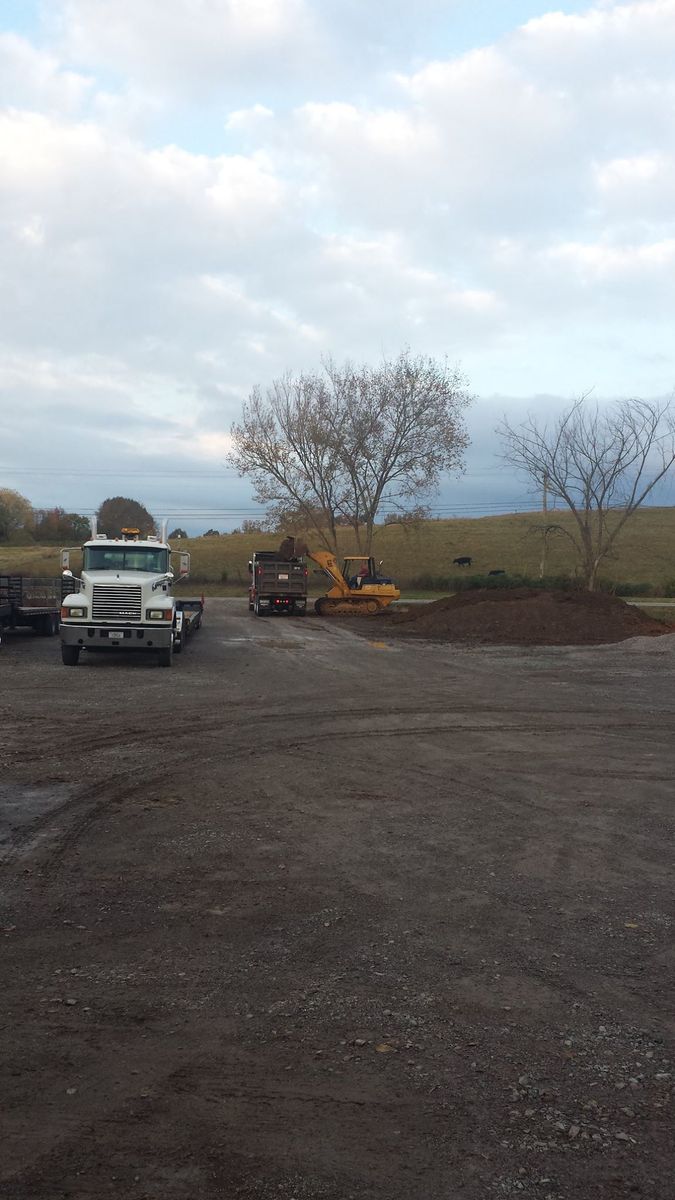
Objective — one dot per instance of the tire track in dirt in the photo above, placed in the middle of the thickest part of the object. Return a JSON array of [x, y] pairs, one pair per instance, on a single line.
[[93, 800], [163, 732]]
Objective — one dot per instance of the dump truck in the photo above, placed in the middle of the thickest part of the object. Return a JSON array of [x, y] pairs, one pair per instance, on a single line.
[[124, 599], [278, 583], [29, 603]]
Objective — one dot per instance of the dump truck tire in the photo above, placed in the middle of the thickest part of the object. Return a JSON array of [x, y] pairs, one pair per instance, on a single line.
[[70, 655]]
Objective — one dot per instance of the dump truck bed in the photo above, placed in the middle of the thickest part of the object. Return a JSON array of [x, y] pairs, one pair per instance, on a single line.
[[274, 577], [278, 584]]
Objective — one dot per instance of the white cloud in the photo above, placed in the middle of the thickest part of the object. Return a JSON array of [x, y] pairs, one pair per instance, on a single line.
[[638, 187], [249, 119], [602, 260], [36, 79], [188, 46], [501, 206]]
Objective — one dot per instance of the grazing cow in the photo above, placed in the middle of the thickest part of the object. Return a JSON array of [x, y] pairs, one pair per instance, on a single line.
[[464, 561], [496, 572]]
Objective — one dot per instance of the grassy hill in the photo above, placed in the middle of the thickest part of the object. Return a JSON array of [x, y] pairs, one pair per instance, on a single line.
[[419, 557]]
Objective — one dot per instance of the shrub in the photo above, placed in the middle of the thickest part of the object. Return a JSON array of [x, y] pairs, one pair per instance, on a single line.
[[432, 583], [623, 588]]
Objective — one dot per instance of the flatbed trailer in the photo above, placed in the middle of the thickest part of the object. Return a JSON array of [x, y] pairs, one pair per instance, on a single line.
[[30, 603], [189, 615]]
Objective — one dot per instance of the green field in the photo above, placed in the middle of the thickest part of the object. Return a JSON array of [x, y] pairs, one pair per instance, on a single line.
[[415, 558]]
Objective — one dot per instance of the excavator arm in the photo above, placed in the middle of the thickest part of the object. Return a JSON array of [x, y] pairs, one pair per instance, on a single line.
[[329, 565]]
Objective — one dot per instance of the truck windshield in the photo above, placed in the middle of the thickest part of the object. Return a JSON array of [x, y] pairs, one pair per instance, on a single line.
[[126, 558]]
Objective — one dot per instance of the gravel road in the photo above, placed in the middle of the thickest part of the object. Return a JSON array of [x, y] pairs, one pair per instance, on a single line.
[[314, 916]]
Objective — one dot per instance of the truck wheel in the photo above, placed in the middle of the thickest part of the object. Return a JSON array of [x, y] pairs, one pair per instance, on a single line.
[[259, 612], [165, 656], [48, 626], [70, 655], [179, 642]]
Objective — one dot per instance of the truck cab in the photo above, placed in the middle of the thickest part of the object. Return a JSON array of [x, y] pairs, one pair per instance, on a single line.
[[123, 599]]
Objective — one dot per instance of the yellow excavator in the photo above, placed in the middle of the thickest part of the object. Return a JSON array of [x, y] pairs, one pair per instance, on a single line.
[[358, 589]]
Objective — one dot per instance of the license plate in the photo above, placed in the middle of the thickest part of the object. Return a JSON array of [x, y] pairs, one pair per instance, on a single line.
[[283, 577], [115, 633]]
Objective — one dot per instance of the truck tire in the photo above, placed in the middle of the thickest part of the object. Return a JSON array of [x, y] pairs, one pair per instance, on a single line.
[[179, 642], [70, 655], [47, 626], [165, 656], [257, 609]]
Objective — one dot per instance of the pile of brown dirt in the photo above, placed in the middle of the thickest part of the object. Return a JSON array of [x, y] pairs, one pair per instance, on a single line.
[[528, 616]]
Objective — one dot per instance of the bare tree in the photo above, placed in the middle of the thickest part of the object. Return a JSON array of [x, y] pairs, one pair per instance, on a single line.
[[286, 443], [544, 531], [602, 463], [336, 447]]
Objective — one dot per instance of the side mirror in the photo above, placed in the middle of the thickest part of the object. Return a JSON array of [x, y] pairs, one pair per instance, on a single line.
[[380, 562], [250, 567], [68, 574]]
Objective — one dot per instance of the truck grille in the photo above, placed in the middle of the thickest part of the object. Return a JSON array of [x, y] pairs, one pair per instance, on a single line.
[[116, 603]]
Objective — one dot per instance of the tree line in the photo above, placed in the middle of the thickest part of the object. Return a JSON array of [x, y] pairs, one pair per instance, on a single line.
[[21, 523]]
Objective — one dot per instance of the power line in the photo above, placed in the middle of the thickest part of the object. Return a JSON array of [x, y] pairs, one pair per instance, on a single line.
[[62, 472]]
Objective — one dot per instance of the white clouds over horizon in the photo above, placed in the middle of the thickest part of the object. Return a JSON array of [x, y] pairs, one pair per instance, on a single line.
[[199, 202]]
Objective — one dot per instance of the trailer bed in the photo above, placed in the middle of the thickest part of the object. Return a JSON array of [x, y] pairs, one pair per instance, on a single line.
[[30, 603]]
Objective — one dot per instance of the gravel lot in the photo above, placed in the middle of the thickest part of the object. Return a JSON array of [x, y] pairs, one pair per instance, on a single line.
[[314, 915]]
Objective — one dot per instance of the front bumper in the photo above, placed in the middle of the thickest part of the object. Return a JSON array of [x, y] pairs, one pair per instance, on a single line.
[[129, 637]]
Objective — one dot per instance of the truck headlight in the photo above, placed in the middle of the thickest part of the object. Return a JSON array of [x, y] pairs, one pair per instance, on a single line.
[[73, 612], [158, 614]]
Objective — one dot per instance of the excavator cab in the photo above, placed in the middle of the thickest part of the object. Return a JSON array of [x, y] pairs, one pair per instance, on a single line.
[[360, 569]]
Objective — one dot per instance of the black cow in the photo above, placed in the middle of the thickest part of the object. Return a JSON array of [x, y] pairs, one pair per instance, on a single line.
[[464, 561], [496, 572]]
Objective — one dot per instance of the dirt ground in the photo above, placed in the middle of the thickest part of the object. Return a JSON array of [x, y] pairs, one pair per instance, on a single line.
[[326, 916], [526, 617]]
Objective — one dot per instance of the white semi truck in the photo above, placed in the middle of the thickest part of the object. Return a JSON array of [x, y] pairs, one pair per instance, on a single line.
[[124, 598]]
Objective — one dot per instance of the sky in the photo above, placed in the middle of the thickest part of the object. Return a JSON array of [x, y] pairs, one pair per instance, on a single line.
[[197, 196]]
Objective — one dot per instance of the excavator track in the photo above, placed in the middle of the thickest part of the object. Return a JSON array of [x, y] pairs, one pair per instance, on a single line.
[[327, 607]]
